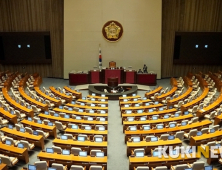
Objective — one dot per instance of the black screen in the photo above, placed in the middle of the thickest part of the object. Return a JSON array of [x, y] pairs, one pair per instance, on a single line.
[[198, 48], [25, 48]]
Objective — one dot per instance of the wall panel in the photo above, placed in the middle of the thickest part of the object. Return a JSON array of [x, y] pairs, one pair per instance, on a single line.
[[36, 15], [187, 15]]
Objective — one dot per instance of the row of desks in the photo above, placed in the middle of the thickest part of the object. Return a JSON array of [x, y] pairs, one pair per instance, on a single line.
[[61, 95]]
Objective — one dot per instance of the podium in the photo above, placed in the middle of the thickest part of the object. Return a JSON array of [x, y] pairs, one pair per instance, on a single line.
[[107, 73], [130, 76]]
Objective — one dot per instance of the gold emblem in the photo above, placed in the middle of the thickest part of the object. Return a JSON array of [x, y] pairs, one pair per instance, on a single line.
[[112, 30]]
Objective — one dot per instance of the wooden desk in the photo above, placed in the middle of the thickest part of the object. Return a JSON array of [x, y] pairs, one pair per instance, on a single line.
[[43, 107], [71, 159], [187, 81], [139, 124], [74, 93], [169, 93], [37, 140], [158, 132], [23, 109], [61, 95], [185, 107], [3, 166], [90, 101], [211, 107], [123, 109], [217, 120], [90, 133], [147, 79], [181, 97], [129, 97], [80, 113], [205, 138], [138, 115], [45, 128], [52, 100], [97, 97], [11, 118], [70, 120], [86, 145], [151, 145], [151, 93], [21, 154], [87, 107], [155, 161], [218, 83], [122, 103]]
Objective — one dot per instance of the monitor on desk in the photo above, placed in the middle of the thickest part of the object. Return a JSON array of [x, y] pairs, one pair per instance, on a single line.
[[172, 125], [46, 113], [88, 128], [92, 105], [8, 142], [173, 152], [136, 139], [103, 105], [143, 118], [98, 139], [5, 108], [10, 126], [50, 123], [56, 114], [64, 137], [61, 107], [90, 118], [161, 109], [212, 130], [126, 105], [208, 167], [99, 154], [93, 99], [166, 116], [139, 111], [183, 123], [32, 167], [103, 100], [128, 111], [133, 94], [20, 145], [74, 126], [159, 126], [137, 105], [150, 110], [199, 133], [12, 112], [171, 137], [154, 117], [66, 152], [144, 98], [83, 153], [156, 102], [124, 95], [103, 95], [50, 168], [155, 153], [101, 128], [154, 139], [186, 113], [93, 94], [146, 127], [130, 119], [170, 107], [81, 138], [83, 98], [125, 100], [78, 118], [70, 109], [73, 102], [82, 104], [102, 111], [91, 111], [133, 128], [139, 154], [35, 133], [39, 121], [147, 104], [135, 99], [176, 115], [102, 119], [67, 116], [22, 130], [49, 150], [80, 110]]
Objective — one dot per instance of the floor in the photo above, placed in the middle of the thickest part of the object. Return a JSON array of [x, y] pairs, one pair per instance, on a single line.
[[117, 159]]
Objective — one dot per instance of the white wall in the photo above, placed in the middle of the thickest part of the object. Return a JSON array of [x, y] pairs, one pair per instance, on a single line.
[[140, 43]]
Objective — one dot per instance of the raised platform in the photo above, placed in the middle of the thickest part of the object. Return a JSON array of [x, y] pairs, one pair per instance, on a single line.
[[99, 89]]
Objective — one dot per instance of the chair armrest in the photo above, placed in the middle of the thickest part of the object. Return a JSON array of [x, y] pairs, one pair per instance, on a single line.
[[172, 168]]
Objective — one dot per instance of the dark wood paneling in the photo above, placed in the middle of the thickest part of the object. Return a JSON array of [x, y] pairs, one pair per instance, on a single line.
[[36, 15], [187, 15]]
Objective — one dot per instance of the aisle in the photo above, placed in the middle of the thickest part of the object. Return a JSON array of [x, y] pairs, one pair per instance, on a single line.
[[116, 147]]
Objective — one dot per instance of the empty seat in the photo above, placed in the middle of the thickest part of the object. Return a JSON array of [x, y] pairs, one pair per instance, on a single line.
[[9, 161], [41, 165], [18, 126], [3, 121], [213, 143], [96, 167], [164, 137], [180, 167], [148, 138], [94, 151], [204, 130], [142, 168], [75, 151], [192, 132], [27, 145], [211, 115], [77, 167], [60, 126], [160, 168], [29, 130], [57, 149], [216, 127], [197, 165], [194, 120], [59, 166], [69, 136], [13, 142], [44, 134]]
